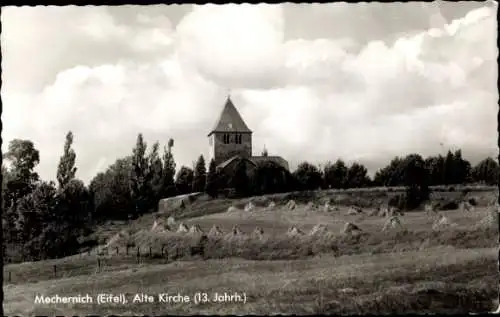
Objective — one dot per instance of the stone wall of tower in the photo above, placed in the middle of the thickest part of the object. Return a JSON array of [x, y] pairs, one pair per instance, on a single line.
[[221, 152]]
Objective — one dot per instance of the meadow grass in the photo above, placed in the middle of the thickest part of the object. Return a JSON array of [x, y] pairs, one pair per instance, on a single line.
[[417, 269], [382, 283]]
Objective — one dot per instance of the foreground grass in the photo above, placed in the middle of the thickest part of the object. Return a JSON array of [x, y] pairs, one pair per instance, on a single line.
[[177, 247], [430, 280]]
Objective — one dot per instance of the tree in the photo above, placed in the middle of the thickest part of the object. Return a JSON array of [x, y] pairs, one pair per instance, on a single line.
[[335, 176], [200, 175], [6, 178], [21, 158], [74, 207], [436, 170], [211, 180], [416, 181], [308, 176], [240, 180], [139, 178], [461, 168], [156, 174], [486, 171], [449, 168], [184, 180], [66, 169], [357, 176], [2, 243], [169, 188], [391, 175], [270, 178], [42, 227], [110, 193]]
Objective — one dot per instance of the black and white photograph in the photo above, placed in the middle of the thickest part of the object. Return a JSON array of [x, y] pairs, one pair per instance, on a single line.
[[250, 159]]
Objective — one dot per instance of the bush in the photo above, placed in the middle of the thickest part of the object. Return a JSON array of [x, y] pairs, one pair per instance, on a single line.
[[398, 201], [472, 201], [447, 205]]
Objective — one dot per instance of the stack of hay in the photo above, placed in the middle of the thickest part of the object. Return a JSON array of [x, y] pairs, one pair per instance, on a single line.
[[182, 228], [258, 233], [310, 206], [155, 225], [466, 206], [429, 209], [170, 224], [235, 234], [271, 205], [442, 222], [374, 212], [195, 229], [122, 235], [232, 209], [249, 206], [159, 226], [354, 210], [294, 231], [327, 207], [383, 211], [394, 211], [215, 231], [392, 223], [390, 211], [236, 230], [351, 228], [291, 205], [318, 229], [490, 220]]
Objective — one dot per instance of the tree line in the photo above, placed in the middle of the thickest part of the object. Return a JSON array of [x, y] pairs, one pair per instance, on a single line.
[[46, 219]]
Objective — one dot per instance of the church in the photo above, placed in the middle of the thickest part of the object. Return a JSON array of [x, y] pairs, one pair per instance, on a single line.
[[230, 142]]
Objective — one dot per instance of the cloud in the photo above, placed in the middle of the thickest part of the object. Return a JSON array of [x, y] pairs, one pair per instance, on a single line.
[[241, 44], [39, 42], [305, 98]]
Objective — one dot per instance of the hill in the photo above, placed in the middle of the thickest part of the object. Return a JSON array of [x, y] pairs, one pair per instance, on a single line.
[[449, 269]]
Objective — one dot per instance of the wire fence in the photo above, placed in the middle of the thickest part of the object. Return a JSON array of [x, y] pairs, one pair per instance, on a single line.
[[97, 259]]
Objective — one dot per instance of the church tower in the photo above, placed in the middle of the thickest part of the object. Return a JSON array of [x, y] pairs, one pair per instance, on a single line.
[[230, 136]]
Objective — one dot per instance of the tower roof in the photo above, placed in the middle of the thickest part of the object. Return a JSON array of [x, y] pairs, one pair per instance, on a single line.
[[230, 120]]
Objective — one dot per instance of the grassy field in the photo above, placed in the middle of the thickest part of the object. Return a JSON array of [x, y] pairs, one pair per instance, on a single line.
[[417, 269]]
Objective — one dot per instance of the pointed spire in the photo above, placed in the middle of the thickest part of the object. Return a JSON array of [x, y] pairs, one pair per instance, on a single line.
[[230, 120]]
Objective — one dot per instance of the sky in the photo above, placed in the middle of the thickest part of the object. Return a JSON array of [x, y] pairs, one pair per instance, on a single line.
[[316, 82]]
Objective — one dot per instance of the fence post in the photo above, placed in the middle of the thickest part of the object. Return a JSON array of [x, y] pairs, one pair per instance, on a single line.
[[10, 276], [138, 255], [126, 249], [117, 250], [150, 252], [98, 265], [55, 270]]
